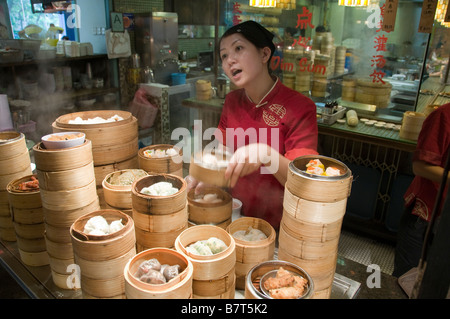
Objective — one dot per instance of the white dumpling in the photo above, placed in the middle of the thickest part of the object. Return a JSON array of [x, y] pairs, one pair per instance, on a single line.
[[98, 224], [216, 245], [115, 225], [171, 152]]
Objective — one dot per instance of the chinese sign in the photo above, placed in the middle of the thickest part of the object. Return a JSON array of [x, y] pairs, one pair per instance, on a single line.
[[378, 61], [236, 11]]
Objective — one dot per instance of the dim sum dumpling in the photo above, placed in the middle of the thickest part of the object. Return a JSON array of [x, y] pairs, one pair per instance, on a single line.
[[216, 245], [97, 224], [199, 248], [115, 225], [160, 189], [171, 272], [146, 266], [153, 277]]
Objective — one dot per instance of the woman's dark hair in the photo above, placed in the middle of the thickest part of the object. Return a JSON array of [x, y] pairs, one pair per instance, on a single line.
[[255, 33]]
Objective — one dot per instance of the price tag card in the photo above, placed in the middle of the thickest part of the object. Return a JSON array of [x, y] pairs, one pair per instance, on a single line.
[[427, 16], [390, 13]]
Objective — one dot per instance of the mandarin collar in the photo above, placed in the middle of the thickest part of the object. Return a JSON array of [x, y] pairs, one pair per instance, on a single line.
[[264, 100]]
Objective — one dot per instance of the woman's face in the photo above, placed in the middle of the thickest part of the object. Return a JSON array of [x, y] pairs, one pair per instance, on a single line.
[[242, 61]]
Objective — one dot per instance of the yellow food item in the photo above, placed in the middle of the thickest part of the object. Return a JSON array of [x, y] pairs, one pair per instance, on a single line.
[[64, 137], [285, 285], [352, 118]]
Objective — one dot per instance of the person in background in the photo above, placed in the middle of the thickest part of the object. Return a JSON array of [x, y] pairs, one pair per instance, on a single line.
[[429, 160], [257, 170]]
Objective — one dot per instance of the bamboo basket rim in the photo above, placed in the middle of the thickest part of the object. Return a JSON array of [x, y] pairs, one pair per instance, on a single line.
[[112, 187], [182, 277], [41, 147], [164, 176], [17, 136], [225, 199], [161, 146], [239, 242], [214, 233], [10, 187], [63, 120], [76, 229], [276, 264], [296, 165]]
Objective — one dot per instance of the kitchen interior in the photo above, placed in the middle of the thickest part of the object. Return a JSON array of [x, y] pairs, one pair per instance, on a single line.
[[172, 46]]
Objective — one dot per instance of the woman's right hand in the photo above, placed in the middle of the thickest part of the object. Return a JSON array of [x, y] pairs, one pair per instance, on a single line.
[[192, 183]]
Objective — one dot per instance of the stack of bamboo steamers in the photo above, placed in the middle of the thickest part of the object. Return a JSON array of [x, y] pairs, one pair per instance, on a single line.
[[68, 191], [14, 163], [114, 144], [313, 210]]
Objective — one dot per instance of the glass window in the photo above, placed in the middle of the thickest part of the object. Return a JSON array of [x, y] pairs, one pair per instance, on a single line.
[[22, 16], [338, 50]]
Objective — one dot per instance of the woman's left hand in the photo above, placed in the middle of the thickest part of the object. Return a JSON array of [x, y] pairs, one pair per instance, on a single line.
[[246, 160]]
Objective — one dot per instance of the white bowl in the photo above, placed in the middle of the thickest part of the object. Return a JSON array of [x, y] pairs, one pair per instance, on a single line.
[[68, 139]]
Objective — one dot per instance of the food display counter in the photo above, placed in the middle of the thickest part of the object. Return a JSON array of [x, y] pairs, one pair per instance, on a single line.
[[351, 280]]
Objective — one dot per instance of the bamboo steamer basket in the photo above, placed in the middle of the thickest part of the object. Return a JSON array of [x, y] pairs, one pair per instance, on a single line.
[[111, 142], [215, 273], [12, 143], [62, 159], [250, 253], [58, 250], [208, 173], [7, 233], [19, 199], [313, 211], [222, 288], [167, 164], [14, 163], [57, 234], [101, 171], [69, 199], [209, 213], [35, 245], [321, 270], [161, 223], [318, 188], [370, 92], [34, 259], [28, 222], [223, 224], [65, 218], [146, 240], [119, 196], [158, 205], [411, 125], [154, 214], [203, 90], [252, 286], [14, 166], [68, 179], [102, 258], [306, 249], [313, 232], [179, 287], [104, 247]]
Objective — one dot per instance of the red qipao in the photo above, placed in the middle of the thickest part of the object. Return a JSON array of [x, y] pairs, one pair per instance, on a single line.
[[285, 120], [432, 147]]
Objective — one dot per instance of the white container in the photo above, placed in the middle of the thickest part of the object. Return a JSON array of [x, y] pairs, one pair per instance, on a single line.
[[72, 48], [5, 114]]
